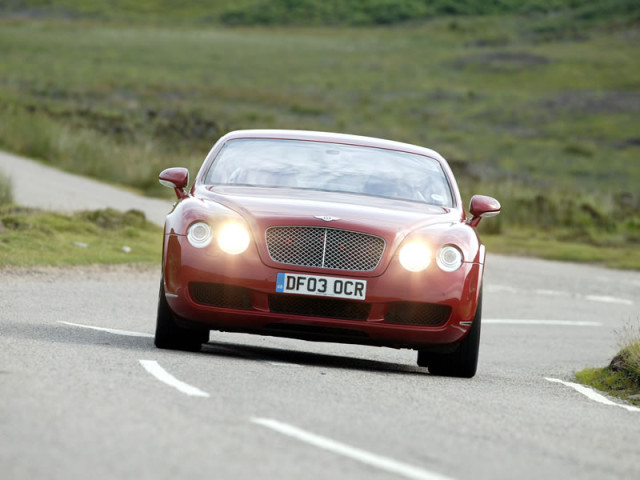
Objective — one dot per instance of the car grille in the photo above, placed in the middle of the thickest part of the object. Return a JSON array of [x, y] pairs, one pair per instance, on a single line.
[[427, 314], [319, 307], [220, 295], [324, 248]]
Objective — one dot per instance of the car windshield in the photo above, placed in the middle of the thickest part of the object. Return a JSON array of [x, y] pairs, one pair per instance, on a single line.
[[331, 167]]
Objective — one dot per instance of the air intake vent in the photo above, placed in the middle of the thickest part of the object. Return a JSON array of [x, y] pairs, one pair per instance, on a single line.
[[319, 307], [220, 295], [427, 314]]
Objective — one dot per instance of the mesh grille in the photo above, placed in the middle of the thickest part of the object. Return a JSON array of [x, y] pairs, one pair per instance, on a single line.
[[427, 314], [319, 307], [324, 248]]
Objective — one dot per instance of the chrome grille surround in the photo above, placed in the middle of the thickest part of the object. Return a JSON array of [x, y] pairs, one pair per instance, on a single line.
[[321, 247]]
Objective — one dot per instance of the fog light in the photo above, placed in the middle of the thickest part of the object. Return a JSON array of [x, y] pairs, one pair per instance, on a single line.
[[449, 258], [199, 235]]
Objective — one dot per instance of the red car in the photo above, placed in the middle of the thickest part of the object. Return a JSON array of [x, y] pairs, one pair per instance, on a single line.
[[326, 237]]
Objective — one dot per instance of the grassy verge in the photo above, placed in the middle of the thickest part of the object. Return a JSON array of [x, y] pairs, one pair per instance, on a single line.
[[31, 237], [622, 377], [528, 242], [6, 189]]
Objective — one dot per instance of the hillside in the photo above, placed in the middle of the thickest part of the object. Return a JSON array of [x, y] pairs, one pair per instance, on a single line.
[[567, 13], [537, 112]]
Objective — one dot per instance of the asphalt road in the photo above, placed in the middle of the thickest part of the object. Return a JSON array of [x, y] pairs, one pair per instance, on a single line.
[[85, 393], [41, 186]]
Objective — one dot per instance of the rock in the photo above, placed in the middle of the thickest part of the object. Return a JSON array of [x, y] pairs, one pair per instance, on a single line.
[[618, 363]]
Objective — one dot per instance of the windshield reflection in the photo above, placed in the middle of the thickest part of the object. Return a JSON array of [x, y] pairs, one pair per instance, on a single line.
[[331, 167]]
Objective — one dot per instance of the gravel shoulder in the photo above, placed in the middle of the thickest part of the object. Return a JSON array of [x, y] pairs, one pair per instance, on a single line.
[[12, 275]]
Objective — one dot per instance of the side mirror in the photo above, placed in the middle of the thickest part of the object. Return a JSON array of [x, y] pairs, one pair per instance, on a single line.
[[482, 206], [176, 178]]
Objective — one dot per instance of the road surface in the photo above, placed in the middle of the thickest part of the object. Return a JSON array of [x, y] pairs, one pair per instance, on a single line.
[[85, 393]]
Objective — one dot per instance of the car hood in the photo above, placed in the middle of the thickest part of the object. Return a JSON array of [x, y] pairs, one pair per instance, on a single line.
[[390, 219]]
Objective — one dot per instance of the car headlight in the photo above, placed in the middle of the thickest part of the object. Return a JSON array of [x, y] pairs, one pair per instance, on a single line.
[[449, 258], [233, 238], [199, 234], [415, 256]]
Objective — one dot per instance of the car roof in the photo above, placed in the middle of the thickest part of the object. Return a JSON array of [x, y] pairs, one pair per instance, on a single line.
[[345, 138]]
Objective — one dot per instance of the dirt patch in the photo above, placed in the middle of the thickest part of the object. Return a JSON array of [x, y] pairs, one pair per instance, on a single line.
[[172, 125], [592, 102], [500, 61]]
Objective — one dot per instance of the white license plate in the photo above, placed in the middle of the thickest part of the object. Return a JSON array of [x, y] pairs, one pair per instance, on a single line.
[[321, 286]]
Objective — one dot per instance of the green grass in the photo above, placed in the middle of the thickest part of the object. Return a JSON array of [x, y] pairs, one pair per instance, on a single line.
[[6, 189], [622, 377], [616, 383], [535, 112], [32, 238]]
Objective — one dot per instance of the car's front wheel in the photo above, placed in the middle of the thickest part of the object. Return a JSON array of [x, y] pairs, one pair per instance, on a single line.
[[463, 362], [172, 336]]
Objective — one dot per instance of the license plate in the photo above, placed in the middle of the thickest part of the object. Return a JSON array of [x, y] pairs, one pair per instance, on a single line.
[[321, 286]]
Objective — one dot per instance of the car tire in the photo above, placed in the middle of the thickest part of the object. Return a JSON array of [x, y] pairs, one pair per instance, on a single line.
[[169, 335], [463, 362]]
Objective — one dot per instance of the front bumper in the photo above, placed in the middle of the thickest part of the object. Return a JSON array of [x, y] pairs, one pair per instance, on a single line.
[[429, 309]]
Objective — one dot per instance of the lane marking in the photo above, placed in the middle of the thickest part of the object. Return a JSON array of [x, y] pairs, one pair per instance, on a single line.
[[591, 394], [129, 333], [161, 374], [501, 288], [552, 293], [371, 459], [285, 364], [560, 293], [607, 299], [113, 331], [565, 323]]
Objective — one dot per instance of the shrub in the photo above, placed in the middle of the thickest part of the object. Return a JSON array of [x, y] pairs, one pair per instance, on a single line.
[[6, 190], [384, 12]]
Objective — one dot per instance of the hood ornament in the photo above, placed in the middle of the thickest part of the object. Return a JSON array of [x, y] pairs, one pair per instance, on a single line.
[[326, 218]]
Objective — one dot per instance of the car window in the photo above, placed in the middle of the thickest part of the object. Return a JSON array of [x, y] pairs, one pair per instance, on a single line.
[[331, 167]]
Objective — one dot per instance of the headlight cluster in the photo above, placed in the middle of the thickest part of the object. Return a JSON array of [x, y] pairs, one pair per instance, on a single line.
[[232, 238], [416, 256]]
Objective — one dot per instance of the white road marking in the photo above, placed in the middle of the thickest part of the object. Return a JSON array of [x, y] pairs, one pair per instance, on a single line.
[[566, 323], [285, 364], [593, 395], [560, 293], [553, 293], [371, 459], [607, 299], [161, 374], [113, 331], [501, 288]]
